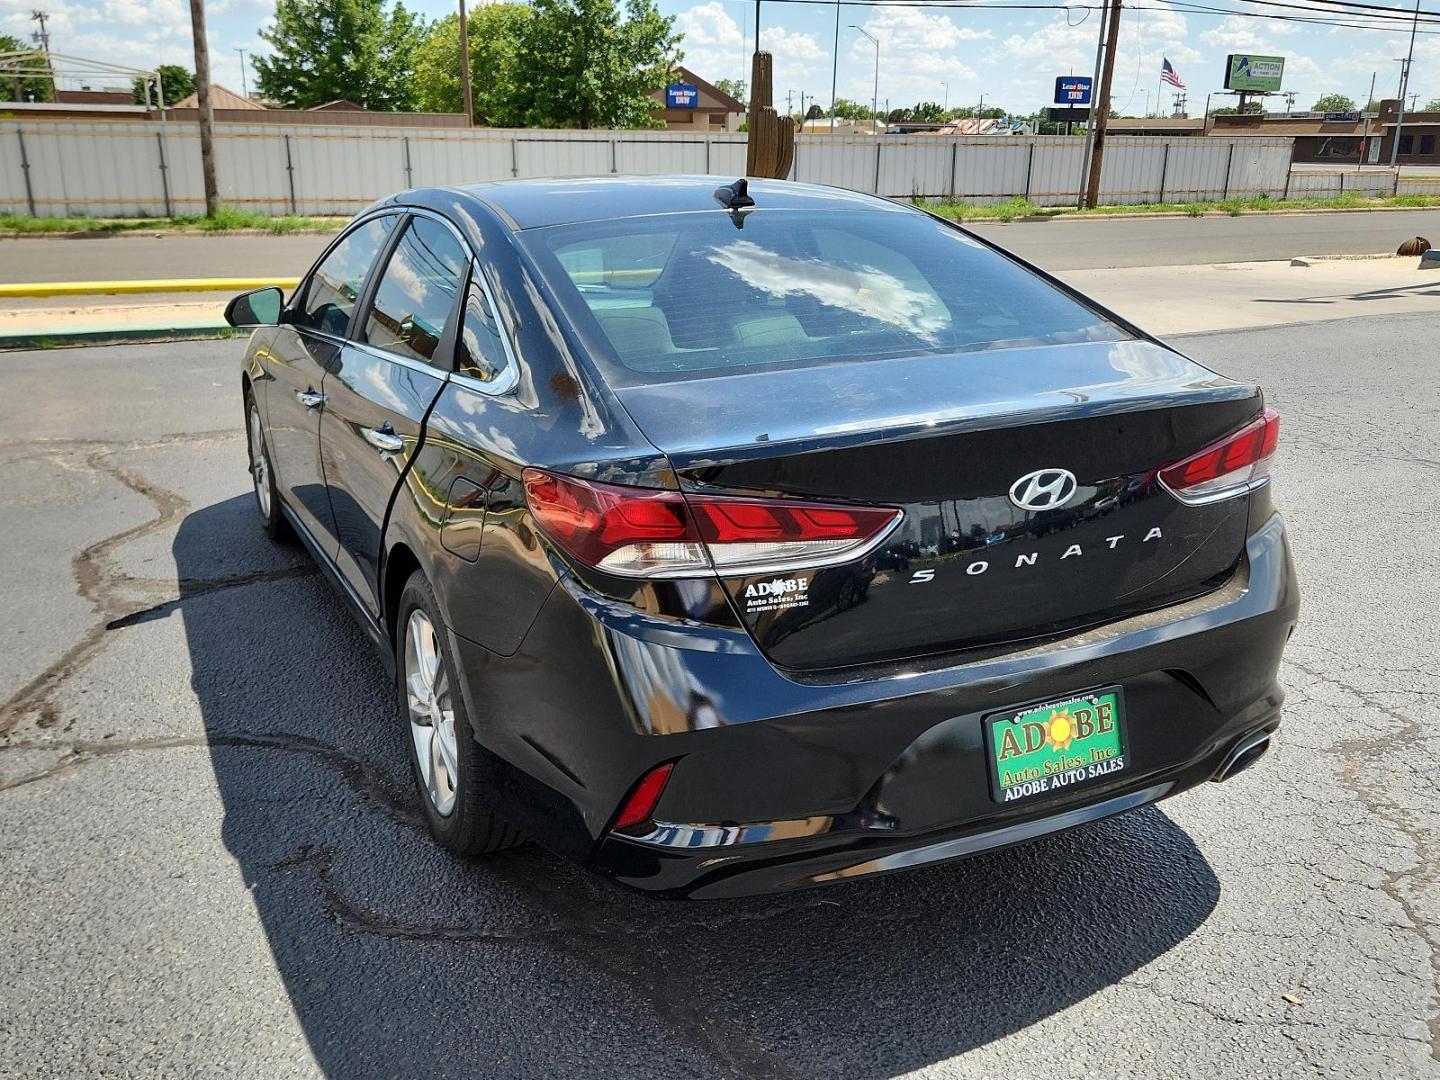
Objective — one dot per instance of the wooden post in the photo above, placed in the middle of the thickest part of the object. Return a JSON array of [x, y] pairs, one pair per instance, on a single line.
[[206, 111], [465, 67], [1100, 111]]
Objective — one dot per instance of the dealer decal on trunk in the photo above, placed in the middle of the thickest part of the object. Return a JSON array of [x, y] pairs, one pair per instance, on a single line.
[[777, 594]]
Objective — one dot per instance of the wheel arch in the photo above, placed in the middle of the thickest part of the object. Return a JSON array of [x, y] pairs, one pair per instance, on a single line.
[[400, 562]]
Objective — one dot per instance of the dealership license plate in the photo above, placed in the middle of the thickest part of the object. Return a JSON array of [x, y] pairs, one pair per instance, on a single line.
[[1048, 749]]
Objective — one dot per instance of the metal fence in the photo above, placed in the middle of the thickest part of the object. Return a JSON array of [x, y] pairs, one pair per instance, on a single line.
[[59, 169]]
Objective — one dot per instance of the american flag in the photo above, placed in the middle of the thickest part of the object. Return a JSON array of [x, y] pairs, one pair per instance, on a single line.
[[1169, 75]]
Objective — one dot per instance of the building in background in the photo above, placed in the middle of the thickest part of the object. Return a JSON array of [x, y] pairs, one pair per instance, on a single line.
[[689, 103]]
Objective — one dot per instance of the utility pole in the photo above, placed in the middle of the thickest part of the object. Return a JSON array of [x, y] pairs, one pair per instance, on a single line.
[[465, 91], [1090, 121], [1100, 111], [875, 100], [1404, 85], [43, 38], [207, 113], [244, 82]]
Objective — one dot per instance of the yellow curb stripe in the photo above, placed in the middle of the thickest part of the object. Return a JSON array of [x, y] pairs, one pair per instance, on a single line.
[[154, 285]]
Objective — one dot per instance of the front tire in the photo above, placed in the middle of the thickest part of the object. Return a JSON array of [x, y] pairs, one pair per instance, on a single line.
[[443, 752], [262, 473]]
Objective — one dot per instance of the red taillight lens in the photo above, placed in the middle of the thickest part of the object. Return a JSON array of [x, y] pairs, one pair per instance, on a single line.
[[640, 804], [1234, 464], [639, 532]]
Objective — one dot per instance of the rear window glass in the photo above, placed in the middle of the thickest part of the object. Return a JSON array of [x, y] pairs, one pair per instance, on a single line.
[[685, 295]]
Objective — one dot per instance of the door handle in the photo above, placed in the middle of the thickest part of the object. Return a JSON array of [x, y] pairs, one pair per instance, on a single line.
[[311, 399], [384, 440]]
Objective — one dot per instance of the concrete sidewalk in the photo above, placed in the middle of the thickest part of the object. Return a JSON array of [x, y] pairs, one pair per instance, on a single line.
[[1162, 299]]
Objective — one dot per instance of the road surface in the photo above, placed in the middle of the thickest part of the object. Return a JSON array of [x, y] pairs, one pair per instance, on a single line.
[[1054, 243], [213, 863]]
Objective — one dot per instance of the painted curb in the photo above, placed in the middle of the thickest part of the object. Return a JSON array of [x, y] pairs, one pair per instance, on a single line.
[[16, 290], [141, 335]]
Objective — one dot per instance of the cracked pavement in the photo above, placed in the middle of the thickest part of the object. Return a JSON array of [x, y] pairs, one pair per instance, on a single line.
[[212, 862]]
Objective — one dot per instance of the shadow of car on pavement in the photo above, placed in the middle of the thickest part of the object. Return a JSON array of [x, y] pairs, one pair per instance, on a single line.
[[400, 960]]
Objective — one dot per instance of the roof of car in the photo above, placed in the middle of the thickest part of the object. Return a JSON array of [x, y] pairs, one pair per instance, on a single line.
[[533, 204]]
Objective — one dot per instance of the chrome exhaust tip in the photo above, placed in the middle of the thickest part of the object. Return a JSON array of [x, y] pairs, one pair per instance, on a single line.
[[1244, 754]]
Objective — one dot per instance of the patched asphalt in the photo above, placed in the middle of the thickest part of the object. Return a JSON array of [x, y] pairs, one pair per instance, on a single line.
[[213, 864]]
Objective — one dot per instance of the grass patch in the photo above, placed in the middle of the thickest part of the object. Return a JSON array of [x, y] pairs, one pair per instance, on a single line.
[[1013, 209], [226, 219]]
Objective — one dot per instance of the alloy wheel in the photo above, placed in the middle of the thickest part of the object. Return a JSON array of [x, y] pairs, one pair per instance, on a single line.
[[259, 463], [431, 713]]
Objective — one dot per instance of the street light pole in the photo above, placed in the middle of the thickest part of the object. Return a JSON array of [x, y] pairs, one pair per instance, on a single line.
[[1404, 85], [834, 67], [875, 99], [244, 82]]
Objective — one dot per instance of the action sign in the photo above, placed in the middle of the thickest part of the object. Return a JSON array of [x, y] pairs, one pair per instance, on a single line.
[[682, 96], [1073, 90], [1264, 73]]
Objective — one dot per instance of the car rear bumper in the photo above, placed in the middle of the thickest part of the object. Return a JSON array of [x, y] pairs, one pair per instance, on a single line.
[[780, 783]]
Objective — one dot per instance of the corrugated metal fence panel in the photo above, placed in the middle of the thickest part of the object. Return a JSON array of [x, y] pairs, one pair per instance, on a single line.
[[455, 157], [648, 157], [12, 174], [915, 167], [838, 160], [250, 168], [1055, 179], [1330, 183], [539, 156], [1419, 185], [114, 169], [991, 170]]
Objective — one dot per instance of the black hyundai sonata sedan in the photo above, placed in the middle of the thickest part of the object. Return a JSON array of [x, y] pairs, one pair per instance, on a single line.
[[730, 539]]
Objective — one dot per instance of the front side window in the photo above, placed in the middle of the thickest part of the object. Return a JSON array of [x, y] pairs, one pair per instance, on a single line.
[[335, 286], [683, 295], [415, 299]]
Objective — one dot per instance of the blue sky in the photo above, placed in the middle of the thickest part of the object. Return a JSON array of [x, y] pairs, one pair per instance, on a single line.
[[1009, 56]]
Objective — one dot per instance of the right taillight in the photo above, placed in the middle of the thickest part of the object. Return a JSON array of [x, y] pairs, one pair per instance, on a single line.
[[1233, 465], [641, 532]]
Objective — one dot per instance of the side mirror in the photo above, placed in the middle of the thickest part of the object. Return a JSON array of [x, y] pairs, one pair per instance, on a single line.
[[258, 307]]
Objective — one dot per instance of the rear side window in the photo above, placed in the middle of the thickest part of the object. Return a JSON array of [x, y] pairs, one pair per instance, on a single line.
[[415, 299], [482, 351], [686, 295], [335, 285]]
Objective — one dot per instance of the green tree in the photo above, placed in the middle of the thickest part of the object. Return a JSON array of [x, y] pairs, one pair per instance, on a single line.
[[32, 87], [930, 112], [1334, 103], [588, 63], [734, 87], [1230, 110], [1433, 106], [176, 83], [352, 49], [495, 31], [815, 112], [845, 109]]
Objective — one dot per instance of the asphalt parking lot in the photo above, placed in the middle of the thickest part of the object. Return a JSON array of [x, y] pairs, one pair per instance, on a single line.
[[212, 862]]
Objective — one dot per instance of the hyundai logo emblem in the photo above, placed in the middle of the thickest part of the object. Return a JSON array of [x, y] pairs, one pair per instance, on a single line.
[[1043, 489]]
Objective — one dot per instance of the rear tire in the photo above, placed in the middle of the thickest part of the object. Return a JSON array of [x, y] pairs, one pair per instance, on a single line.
[[262, 474], [444, 757]]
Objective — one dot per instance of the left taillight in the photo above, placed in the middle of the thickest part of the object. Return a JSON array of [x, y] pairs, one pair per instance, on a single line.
[[1230, 466], [641, 532]]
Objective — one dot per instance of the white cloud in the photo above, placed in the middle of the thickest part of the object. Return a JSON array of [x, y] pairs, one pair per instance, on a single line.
[[715, 48], [919, 55]]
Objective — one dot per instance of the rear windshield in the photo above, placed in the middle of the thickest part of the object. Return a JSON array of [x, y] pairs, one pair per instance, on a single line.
[[686, 295]]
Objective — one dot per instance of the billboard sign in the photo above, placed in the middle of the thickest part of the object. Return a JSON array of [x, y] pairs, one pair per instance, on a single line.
[[1062, 115], [682, 95], [1245, 72], [1073, 90]]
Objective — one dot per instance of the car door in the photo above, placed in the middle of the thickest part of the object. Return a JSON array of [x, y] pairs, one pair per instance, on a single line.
[[306, 348], [393, 367]]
